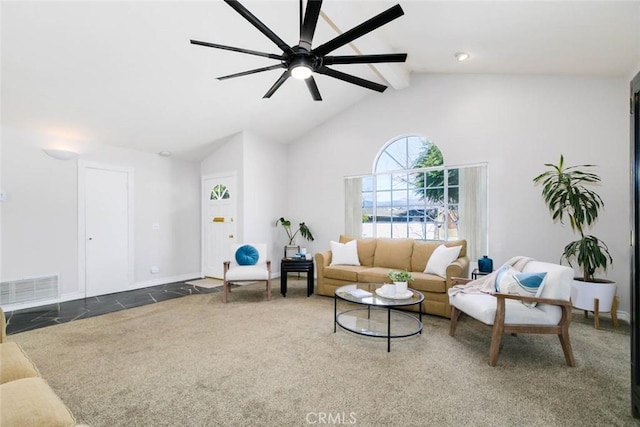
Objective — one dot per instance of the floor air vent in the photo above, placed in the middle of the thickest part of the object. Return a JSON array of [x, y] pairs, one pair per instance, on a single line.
[[29, 290]]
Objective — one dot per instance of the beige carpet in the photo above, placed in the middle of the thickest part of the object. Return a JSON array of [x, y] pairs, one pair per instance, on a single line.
[[207, 282], [194, 361]]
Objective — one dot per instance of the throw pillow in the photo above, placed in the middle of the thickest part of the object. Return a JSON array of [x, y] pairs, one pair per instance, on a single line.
[[344, 253], [511, 281], [440, 260], [247, 255], [530, 284]]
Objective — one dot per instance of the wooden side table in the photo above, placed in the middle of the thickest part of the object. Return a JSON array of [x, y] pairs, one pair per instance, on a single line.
[[293, 265]]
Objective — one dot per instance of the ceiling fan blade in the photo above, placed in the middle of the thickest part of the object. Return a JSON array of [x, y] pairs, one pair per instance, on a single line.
[[246, 73], [351, 79], [277, 84], [239, 49], [259, 25], [313, 89], [309, 25], [364, 59], [360, 30]]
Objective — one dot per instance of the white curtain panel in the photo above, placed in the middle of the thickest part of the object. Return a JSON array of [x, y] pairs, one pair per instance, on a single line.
[[353, 205], [473, 210]]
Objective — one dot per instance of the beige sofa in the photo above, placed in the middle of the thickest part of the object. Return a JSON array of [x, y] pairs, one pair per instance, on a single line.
[[25, 398], [378, 256]]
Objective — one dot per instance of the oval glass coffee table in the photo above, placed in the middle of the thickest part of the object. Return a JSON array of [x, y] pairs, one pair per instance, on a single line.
[[377, 314]]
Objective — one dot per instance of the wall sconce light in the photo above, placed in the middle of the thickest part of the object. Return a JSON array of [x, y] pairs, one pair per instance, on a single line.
[[60, 154], [462, 56]]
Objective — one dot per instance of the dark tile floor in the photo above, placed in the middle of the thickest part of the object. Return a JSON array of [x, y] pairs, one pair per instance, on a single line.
[[53, 314]]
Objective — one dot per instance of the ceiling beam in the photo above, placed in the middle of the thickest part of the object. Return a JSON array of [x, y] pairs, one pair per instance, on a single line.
[[342, 17]]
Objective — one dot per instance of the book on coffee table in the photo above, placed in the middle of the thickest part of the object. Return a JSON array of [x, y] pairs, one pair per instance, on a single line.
[[360, 293]]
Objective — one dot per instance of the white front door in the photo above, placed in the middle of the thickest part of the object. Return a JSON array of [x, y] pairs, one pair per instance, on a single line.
[[218, 222], [106, 230]]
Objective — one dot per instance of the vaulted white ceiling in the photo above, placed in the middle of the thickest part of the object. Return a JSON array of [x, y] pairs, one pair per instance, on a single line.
[[124, 73]]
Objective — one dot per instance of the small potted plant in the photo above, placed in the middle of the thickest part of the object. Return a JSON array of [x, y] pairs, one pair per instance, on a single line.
[[302, 229], [399, 276], [400, 279]]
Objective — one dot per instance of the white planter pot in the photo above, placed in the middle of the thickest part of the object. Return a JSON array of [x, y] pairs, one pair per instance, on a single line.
[[401, 287], [583, 295]]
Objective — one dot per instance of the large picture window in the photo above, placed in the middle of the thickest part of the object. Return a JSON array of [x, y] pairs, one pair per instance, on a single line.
[[412, 194]]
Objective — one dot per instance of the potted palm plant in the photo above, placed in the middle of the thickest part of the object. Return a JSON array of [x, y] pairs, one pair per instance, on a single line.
[[302, 229], [567, 192]]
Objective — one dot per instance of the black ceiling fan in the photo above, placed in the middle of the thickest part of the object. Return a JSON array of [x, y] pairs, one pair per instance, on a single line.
[[301, 61]]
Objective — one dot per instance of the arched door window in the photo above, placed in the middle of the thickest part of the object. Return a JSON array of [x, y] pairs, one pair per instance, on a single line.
[[219, 192]]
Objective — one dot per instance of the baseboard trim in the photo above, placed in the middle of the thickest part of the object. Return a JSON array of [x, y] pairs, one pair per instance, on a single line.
[[80, 295], [25, 305], [624, 316]]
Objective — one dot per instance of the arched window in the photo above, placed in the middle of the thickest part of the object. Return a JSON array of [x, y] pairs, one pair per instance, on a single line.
[[411, 193], [408, 152], [219, 192]]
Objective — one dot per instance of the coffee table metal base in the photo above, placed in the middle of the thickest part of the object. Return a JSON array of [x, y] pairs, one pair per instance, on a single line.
[[377, 319]]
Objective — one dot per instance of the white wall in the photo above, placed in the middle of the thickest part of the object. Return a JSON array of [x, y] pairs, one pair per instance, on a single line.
[[265, 174], [260, 166], [227, 160], [514, 123], [40, 215]]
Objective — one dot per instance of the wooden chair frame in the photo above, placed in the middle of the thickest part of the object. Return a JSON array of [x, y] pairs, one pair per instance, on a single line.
[[499, 327]]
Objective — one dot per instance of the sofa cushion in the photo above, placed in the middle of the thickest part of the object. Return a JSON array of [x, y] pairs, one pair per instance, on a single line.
[[366, 248], [15, 363], [422, 250], [483, 308], [560, 277], [344, 253], [428, 282], [393, 253], [374, 275], [31, 402], [343, 272]]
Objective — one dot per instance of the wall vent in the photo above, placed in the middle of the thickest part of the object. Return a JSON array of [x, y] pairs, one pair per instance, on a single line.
[[29, 290]]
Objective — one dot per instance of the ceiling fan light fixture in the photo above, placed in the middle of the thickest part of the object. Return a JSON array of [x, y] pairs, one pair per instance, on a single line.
[[462, 56], [300, 70], [301, 61]]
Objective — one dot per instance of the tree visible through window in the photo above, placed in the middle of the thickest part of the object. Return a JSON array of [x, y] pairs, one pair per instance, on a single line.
[[411, 193], [219, 192]]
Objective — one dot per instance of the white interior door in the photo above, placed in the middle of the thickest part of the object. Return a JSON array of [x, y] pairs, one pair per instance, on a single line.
[[218, 223], [106, 215]]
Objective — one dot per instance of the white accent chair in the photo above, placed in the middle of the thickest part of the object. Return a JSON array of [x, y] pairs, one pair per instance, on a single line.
[[240, 274], [506, 313]]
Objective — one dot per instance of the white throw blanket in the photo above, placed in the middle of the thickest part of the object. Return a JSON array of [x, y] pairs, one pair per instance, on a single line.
[[486, 284]]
